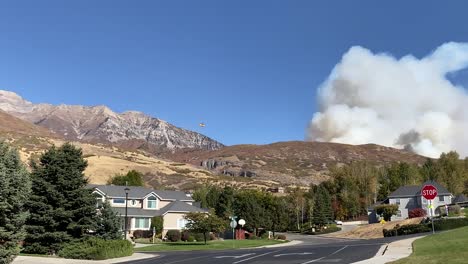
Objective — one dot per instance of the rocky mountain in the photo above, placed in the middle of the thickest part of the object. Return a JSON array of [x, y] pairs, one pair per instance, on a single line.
[[99, 124], [296, 163]]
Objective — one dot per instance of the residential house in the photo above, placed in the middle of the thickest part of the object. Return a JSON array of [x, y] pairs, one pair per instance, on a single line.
[[409, 197], [460, 200], [145, 203]]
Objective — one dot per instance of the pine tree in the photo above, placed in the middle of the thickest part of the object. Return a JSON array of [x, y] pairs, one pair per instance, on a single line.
[[62, 209], [322, 207], [108, 224], [15, 186]]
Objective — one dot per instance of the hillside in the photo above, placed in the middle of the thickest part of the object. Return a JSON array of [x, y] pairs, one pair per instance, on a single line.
[[297, 163], [99, 124], [105, 161]]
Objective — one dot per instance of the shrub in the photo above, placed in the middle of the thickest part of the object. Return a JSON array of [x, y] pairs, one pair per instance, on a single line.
[[417, 212], [281, 237], [190, 238], [406, 230], [142, 234], [199, 237], [184, 235], [455, 209], [447, 224], [173, 235], [97, 249], [213, 236], [264, 236], [252, 236]]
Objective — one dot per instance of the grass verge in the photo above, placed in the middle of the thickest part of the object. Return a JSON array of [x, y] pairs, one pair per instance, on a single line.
[[212, 245], [447, 247]]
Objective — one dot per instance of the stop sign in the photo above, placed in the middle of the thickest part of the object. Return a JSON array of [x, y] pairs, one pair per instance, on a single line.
[[429, 192]]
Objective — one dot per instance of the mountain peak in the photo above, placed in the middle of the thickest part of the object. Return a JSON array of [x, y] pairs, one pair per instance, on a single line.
[[99, 124]]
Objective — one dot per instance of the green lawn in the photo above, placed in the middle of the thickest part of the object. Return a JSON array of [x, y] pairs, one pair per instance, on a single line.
[[448, 247], [212, 245]]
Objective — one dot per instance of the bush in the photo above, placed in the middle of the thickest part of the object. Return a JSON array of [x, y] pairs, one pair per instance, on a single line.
[[97, 249], [447, 224], [173, 235], [142, 234], [281, 237], [264, 236], [417, 212], [455, 209], [213, 236], [185, 236], [199, 237], [190, 238], [406, 230]]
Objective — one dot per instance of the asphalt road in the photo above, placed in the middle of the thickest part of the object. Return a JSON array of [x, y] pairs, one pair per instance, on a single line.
[[312, 250]]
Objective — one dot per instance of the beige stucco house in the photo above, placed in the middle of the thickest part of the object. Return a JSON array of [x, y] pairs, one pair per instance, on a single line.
[[145, 203]]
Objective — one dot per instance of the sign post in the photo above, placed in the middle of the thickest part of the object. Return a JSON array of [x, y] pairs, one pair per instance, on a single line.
[[429, 192], [233, 225]]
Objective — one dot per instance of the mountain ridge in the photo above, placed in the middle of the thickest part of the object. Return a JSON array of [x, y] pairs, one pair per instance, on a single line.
[[99, 124]]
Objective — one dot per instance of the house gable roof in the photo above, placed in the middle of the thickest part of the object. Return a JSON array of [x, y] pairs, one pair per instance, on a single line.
[[173, 207], [180, 207], [415, 190], [140, 192], [460, 199]]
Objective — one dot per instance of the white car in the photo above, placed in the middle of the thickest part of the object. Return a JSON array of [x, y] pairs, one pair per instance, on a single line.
[[338, 222]]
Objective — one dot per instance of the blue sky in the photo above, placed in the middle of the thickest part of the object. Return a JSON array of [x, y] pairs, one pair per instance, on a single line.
[[248, 69]]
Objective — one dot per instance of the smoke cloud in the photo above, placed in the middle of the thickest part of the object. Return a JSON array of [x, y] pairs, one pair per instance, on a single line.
[[405, 103]]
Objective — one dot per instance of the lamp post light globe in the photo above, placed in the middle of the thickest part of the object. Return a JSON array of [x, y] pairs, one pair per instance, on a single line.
[[242, 222]]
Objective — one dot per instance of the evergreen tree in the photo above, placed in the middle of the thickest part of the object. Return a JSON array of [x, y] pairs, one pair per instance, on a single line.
[[108, 224], [15, 186], [322, 207], [62, 209], [224, 205]]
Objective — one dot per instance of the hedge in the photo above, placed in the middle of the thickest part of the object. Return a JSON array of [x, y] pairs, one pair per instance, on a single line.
[[97, 249], [142, 234], [451, 223], [426, 226], [406, 230]]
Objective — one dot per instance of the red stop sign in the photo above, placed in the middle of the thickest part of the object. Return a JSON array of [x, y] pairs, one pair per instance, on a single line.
[[429, 192]]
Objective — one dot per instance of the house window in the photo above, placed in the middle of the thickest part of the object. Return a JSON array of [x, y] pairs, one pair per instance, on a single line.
[[118, 201], [397, 201], [441, 198], [398, 213], [152, 202], [141, 222], [181, 223]]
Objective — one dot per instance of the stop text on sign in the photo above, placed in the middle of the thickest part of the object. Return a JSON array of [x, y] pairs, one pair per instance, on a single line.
[[429, 192]]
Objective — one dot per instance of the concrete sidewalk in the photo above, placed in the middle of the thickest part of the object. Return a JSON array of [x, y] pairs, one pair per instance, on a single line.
[[393, 251], [52, 260]]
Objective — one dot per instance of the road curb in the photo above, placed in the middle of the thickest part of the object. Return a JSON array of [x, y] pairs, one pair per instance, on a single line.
[[287, 244]]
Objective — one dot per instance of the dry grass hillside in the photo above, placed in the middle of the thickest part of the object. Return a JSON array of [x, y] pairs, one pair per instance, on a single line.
[[292, 163], [375, 230]]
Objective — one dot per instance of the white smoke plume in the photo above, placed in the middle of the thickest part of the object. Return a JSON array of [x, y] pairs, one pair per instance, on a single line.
[[404, 103]]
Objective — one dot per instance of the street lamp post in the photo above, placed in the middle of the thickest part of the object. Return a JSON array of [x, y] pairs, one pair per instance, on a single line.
[[126, 211]]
